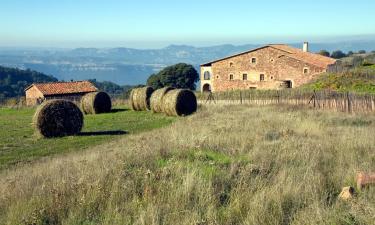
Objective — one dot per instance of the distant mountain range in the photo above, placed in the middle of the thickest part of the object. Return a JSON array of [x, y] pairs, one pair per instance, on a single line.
[[133, 66]]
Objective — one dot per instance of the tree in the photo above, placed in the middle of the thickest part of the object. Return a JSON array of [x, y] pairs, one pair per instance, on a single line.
[[338, 54], [350, 53], [324, 53], [154, 81], [362, 51], [179, 76], [13, 81], [109, 87]]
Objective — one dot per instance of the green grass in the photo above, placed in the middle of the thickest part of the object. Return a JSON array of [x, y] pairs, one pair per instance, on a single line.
[[210, 163], [19, 144]]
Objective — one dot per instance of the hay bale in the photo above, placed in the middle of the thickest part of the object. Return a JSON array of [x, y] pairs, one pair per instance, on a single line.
[[58, 118], [131, 102], [140, 98], [179, 102], [156, 100], [96, 103]]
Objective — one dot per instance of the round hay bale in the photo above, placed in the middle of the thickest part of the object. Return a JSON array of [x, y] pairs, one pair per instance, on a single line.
[[179, 102], [96, 103], [140, 98], [156, 100], [131, 102], [58, 118]]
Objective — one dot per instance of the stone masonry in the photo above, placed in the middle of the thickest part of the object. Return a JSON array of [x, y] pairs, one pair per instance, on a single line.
[[269, 67]]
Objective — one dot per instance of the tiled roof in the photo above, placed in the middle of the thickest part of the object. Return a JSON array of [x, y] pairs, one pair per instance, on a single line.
[[308, 57], [295, 53], [60, 88]]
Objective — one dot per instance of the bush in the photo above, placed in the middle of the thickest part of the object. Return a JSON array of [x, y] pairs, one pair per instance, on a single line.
[[178, 76], [338, 54], [324, 53]]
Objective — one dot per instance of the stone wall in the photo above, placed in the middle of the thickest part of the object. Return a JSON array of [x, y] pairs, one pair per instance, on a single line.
[[274, 64], [206, 82], [33, 95]]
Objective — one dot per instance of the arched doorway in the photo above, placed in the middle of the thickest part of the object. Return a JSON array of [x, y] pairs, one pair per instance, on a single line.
[[206, 88]]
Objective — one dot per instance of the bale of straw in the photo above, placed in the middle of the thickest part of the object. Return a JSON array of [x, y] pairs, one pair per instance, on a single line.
[[96, 103], [131, 102], [156, 101], [140, 98], [57, 118], [179, 102]]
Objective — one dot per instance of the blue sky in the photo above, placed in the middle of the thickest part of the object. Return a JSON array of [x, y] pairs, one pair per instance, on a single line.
[[157, 23]]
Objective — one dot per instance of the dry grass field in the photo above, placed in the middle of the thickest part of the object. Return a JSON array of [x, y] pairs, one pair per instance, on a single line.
[[223, 165]]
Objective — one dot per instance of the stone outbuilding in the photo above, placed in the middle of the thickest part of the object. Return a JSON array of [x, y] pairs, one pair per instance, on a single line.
[[274, 66], [73, 91]]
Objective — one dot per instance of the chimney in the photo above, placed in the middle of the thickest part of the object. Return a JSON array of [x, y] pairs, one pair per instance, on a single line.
[[306, 47]]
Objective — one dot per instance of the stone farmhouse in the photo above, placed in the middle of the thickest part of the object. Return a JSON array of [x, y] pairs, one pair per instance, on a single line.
[[273, 66], [73, 91]]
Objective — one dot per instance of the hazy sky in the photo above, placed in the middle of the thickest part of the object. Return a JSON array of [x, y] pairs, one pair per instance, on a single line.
[[157, 23]]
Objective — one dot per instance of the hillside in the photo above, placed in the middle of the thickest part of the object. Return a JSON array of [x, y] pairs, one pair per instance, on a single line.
[[223, 165], [13, 81], [112, 88], [359, 80]]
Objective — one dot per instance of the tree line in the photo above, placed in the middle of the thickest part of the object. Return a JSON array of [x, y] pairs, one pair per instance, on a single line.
[[338, 54], [13, 81]]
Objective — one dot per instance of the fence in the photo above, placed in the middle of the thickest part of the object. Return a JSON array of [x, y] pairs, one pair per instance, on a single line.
[[337, 101]]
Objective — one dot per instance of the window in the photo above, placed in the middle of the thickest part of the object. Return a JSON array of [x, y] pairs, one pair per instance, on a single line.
[[253, 60], [207, 75], [231, 77], [305, 70], [261, 77], [244, 76]]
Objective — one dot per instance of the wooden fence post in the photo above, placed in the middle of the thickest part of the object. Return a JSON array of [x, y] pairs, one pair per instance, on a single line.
[[314, 96], [349, 102]]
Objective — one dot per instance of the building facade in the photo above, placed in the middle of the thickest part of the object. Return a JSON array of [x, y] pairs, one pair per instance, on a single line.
[[267, 67], [72, 91]]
